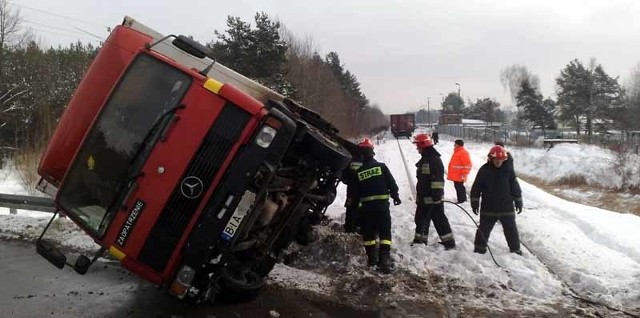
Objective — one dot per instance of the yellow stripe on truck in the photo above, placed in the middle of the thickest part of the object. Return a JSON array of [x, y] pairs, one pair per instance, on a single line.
[[118, 254], [212, 85]]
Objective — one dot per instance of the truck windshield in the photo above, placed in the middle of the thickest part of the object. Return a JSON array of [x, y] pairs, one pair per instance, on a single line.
[[99, 173]]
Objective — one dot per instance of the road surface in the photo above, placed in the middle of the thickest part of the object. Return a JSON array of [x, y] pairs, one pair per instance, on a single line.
[[34, 288]]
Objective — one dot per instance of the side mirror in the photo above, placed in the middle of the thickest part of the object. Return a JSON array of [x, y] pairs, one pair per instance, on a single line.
[[51, 254], [192, 47], [82, 264]]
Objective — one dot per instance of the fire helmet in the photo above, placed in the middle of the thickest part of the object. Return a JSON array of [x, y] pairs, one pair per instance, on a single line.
[[498, 152], [422, 141], [366, 143]]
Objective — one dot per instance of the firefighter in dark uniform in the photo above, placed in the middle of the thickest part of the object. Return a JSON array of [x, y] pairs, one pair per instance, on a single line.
[[374, 187], [353, 219], [495, 193], [429, 191]]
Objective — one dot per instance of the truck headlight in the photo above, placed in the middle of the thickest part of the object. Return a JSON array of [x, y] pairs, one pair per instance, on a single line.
[[183, 280], [266, 136]]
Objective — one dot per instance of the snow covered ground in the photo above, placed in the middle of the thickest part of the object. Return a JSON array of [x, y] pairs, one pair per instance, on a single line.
[[593, 251]]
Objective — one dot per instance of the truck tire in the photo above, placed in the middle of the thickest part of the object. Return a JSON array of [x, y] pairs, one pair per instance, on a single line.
[[265, 266], [239, 286], [320, 147]]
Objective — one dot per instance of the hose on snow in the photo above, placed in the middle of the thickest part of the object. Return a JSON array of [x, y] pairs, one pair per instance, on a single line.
[[486, 242]]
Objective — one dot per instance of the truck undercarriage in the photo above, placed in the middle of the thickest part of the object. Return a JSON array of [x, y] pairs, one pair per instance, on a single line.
[[280, 205]]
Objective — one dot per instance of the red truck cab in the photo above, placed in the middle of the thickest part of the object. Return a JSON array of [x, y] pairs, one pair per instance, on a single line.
[[189, 181]]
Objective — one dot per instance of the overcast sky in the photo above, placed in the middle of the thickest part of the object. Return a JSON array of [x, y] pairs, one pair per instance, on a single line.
[[401, 51]]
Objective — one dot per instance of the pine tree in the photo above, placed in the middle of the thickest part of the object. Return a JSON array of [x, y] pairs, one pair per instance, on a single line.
[[535, 110], [258, 53], [453, 104], [587, 94]]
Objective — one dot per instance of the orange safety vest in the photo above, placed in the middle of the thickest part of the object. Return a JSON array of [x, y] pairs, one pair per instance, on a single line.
[[459, 166]]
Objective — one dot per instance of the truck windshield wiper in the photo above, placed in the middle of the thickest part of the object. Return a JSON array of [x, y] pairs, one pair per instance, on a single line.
[[159, 125]]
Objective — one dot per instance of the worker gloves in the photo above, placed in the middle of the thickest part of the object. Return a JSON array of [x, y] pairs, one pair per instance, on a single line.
[[396, 199], [475, 206], [518, 205]]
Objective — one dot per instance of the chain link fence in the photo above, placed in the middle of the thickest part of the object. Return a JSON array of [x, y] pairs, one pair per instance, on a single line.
[[626, 141]]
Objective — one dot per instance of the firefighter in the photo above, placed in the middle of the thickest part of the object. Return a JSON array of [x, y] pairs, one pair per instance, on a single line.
[[375, 185], [495, 193], [353, 219], [429, 190], [459, 168]]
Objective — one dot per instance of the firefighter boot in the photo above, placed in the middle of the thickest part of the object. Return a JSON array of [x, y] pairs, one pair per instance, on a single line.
[[385, 259], [448, 241], [420, 238], [449, 244], [372, 255]]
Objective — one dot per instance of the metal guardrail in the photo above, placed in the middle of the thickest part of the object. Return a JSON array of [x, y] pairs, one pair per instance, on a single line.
[[26, 202]]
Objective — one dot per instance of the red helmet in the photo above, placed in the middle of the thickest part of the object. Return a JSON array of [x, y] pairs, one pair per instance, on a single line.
[[366, 143], [423, 140], [498, 152]]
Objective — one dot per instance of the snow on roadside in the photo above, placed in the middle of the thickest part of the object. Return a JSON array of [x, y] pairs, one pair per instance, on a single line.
[[28, 225]]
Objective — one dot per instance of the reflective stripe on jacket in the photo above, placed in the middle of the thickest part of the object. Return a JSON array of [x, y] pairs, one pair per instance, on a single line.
[[430, 175]]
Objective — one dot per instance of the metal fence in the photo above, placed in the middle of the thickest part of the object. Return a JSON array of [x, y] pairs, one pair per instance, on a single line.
[[618, 140]]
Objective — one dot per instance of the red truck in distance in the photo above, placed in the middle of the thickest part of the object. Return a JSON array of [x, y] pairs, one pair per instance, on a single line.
[[193, 176]]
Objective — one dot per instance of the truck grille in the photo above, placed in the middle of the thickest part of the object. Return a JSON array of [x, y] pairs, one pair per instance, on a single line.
[[175, 217]]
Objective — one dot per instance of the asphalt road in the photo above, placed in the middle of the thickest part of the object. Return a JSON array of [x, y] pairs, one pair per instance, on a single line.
[[31, 287]]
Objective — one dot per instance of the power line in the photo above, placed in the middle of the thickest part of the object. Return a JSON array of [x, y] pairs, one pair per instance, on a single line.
[[89, 33], [67, 30], [56, 14], [69, 35]]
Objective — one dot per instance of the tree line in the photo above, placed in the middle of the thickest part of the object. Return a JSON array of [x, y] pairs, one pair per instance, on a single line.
[[35, 83], [588, 100], [272, 55]]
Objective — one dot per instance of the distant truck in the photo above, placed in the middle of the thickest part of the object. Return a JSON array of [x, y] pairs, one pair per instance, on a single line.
[[402, 125], [193, 176]]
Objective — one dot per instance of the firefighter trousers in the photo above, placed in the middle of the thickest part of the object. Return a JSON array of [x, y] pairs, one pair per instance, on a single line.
[[508, 226], [376, 222], [432, 212]]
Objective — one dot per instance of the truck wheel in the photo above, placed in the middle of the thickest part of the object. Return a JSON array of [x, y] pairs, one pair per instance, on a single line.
[[265, 266], [239, 286], [321, 147]]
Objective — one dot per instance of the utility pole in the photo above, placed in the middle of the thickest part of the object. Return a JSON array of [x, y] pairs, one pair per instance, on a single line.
[[428, 112], [459, 90]]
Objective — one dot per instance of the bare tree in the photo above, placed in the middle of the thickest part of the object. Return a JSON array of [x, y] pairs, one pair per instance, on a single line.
[[631, 115], [10, 21], [512, 77]]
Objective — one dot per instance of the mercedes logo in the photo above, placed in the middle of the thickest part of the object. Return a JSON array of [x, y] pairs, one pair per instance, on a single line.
[[191, 187]]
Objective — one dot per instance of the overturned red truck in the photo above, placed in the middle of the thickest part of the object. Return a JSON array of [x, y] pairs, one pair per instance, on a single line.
[[193, 176]]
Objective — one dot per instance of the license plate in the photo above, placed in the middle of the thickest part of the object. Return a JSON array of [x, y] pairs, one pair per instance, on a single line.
[[241, 211]]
